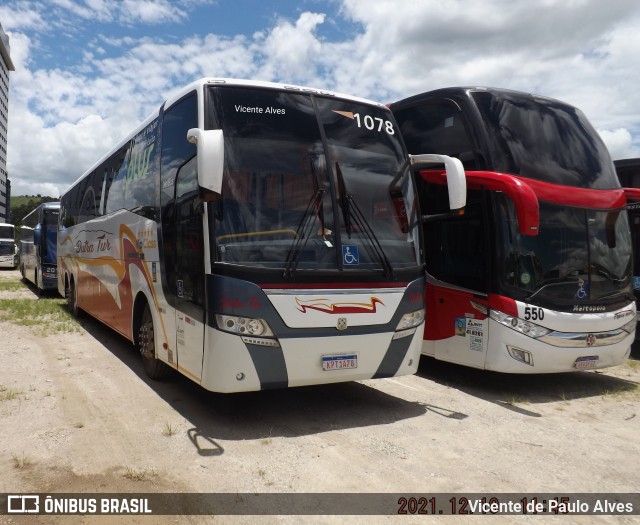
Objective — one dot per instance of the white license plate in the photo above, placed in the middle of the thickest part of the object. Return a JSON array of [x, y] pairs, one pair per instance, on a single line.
[[584, 363], [339, 362]]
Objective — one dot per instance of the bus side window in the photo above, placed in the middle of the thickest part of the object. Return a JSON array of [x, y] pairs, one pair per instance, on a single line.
[[140, 188], [439, 127], [91, 198], [115, 198]]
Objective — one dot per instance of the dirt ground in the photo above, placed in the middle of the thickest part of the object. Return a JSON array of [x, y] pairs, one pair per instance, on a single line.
[[78, 414]]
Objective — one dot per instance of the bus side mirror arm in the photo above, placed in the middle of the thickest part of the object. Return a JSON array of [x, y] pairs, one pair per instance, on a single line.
[[210, 151], [456, 181], [438, 216]]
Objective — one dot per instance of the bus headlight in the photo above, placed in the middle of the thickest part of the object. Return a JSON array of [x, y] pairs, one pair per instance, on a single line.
[[630, 326], [244, 325], [519, 325], [408, 324], [411, 320]]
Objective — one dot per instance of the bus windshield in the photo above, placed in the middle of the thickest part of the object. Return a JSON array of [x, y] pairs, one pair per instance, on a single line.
[[580, 255], [7, 232], [311, 182], [544, 139]]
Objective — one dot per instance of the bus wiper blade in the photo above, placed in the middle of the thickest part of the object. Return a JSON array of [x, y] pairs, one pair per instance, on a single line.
[[548, 284], [353, 212], [303, 233], [615, 295]]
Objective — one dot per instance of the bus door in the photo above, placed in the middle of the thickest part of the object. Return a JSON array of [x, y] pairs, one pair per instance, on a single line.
[[190, 285], [182, 237], [457, 261]]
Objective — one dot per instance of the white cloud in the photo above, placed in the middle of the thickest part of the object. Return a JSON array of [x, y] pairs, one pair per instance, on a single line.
[[98, 10], [127, 12], [150, 11], [53, 157], [291, 50], [620, 144], [21, 17]]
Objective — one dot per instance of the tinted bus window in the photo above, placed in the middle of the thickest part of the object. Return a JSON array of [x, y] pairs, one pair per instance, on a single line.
[[546, 140]]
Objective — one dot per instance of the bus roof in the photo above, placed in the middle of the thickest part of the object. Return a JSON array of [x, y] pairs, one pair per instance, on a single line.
[[45, 206], [465, 90], [208, 81], [627, 163], [199, 85]]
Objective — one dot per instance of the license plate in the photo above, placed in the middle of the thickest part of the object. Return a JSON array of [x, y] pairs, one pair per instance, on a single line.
[[339, 362], [584, 363]]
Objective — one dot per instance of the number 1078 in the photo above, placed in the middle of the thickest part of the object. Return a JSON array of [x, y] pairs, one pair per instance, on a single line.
[[371, 123]]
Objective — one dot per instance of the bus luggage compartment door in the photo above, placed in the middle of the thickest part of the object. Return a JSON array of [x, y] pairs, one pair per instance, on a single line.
[[457, 325]]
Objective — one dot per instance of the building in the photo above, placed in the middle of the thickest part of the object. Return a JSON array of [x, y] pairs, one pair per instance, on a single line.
[[6, 65]]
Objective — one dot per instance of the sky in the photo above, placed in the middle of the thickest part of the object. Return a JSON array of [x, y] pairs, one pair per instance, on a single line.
[[88, 71]]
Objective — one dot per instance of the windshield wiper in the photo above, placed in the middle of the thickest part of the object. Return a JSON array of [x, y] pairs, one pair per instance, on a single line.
[[615, 295], [365, 227], [351, 212], [303, 233], [550, 283]]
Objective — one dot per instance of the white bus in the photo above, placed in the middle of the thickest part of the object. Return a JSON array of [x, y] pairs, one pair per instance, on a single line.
[[536, 275], [255, 235], [8, 246]]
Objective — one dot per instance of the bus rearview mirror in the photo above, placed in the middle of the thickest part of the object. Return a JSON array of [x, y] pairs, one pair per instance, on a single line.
[[456, 181], [210, 150]]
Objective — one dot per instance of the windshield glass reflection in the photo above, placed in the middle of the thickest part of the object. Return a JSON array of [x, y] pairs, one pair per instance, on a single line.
[[579, 255], [544, 139], [284, 197]]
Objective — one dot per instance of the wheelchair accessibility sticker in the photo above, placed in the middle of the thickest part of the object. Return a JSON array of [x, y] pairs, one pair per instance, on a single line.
[[350, 255], [583, 289]]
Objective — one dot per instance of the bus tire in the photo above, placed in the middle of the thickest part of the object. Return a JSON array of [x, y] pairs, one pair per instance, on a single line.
[[154, 368], [72, 298], [39, 285]]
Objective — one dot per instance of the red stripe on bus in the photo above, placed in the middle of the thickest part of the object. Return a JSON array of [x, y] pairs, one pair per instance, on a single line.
[[544, 191], [574, 196], [632, 194]]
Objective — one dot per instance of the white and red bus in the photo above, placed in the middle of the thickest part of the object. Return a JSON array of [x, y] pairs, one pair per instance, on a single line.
[[255, 235], [535, 276]]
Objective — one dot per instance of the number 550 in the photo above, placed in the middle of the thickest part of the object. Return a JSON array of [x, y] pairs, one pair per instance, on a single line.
[[531, 313]]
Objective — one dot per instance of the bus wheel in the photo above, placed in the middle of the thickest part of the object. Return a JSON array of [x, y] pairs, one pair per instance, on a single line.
[[154, 368], [72, 298], [39, 289]]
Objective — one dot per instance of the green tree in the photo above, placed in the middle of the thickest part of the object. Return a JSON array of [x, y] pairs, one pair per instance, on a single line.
[[20, 211]]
